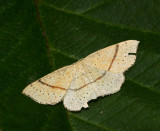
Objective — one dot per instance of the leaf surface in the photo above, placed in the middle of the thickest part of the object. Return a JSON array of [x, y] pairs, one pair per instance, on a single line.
[[37, 37]]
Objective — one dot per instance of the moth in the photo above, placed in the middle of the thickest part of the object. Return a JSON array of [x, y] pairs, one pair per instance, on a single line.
[[99, 74]]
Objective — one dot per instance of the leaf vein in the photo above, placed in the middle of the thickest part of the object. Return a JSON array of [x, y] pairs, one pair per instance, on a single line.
[[97, 21], [90, 122]]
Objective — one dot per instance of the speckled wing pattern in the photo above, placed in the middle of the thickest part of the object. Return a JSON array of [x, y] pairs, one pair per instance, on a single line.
[[99, 74], [51, 88]]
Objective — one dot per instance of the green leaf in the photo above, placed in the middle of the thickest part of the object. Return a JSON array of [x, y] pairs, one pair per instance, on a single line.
[[37, 37]]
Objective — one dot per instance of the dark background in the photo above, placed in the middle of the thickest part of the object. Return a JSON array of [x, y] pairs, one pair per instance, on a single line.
[[37, 37]]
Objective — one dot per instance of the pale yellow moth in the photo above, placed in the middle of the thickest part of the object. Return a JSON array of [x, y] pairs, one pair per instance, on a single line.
[[98, 74]]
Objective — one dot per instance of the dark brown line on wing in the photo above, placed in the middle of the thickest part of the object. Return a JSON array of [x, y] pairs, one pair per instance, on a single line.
[[116, 50], [115, 54], [92, 81], [51, 85]]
